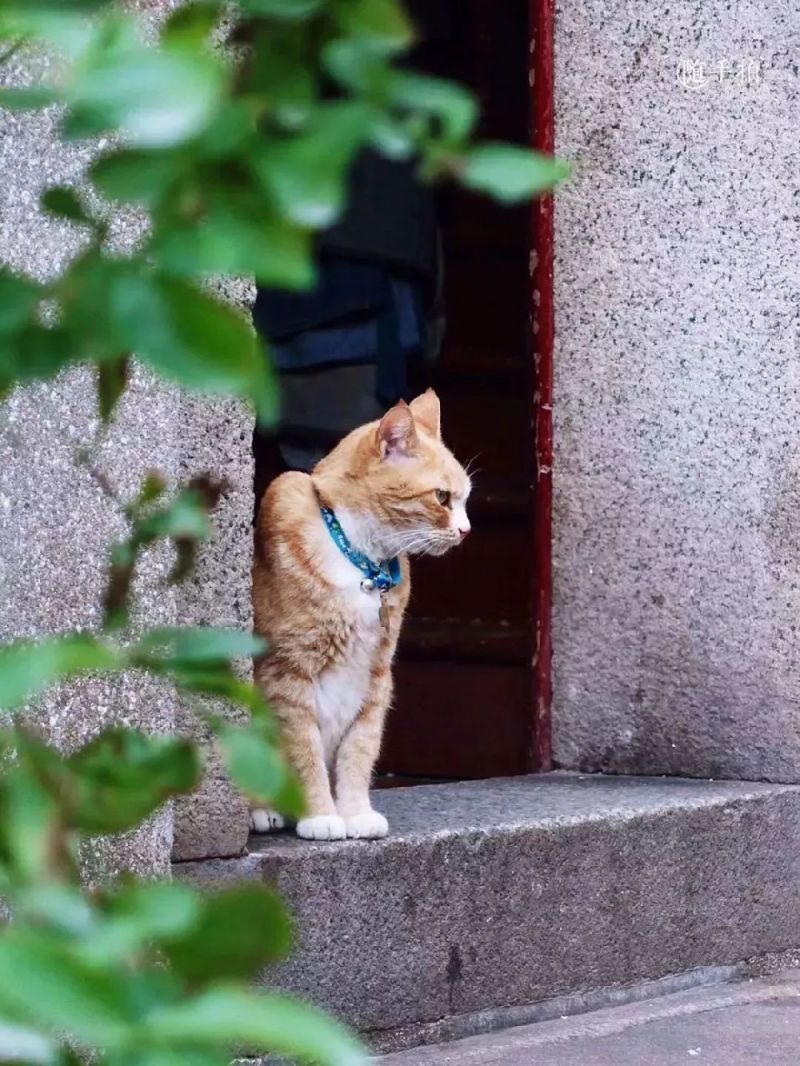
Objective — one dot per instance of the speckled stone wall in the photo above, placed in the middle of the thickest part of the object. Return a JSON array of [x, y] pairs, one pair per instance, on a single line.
[[677, 492], [56, 520], [217, 436]]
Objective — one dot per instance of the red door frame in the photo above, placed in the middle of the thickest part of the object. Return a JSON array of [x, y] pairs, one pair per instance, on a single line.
[[541, 341]]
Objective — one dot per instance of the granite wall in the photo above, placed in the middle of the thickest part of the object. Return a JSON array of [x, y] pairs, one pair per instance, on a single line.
[[57, 519], [677, 492]]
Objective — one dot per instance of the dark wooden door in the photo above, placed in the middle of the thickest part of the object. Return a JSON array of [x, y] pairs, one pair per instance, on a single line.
[[463, 704]]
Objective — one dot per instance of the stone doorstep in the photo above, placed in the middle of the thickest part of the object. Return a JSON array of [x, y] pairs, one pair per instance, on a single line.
[[739, 1023], [491, 898]]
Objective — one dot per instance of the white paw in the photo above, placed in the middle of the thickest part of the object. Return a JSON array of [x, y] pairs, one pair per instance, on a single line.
[[262, 821], [322, 827], [367, 826]]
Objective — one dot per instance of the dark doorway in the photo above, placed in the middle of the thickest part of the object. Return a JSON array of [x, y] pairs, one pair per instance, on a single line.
[[463, 705]]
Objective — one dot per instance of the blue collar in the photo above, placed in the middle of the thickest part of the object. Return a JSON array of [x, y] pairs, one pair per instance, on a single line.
[[383, 576]]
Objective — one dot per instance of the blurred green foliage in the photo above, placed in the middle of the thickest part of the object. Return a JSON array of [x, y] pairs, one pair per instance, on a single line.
[[233, 132]]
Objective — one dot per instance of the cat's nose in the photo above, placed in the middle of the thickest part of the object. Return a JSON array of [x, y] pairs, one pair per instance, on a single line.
[[463, 531]]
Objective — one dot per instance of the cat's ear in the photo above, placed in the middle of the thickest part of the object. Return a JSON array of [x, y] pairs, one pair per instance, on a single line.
[[427, 411], [397, 435]]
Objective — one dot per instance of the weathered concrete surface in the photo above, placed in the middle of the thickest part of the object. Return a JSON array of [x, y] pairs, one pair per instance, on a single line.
[[677, 414], [495, 895], [56, 525], [217, 436], [755, 1023], [57, 522]]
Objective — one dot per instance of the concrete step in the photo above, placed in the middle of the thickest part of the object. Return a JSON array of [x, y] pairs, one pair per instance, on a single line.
[[749, 1023], [499, 902]]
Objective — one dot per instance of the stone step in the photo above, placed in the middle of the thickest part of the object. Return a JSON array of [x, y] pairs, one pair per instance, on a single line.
[[491, 898], [743, 1023]]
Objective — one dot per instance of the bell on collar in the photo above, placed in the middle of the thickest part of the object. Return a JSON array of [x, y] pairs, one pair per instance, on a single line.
[[368, 584]]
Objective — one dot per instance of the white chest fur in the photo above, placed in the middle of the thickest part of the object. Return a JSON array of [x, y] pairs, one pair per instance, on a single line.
[[341, 690]]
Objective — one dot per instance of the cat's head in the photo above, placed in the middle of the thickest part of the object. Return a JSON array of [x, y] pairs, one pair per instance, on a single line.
[[397, 484]]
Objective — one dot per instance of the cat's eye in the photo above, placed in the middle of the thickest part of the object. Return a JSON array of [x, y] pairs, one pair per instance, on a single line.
[[443, 496]]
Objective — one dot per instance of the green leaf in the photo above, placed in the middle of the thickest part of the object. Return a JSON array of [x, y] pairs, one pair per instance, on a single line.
[[86, 292], [192, 338], [112, 379], [164, 1056], [73, 7], [38, 352], [40, 984], [151, 489], [64, 203], [306, 173], [19, 297], [239, 931], [123, 775], [135, 176], [228, 133], [510, 173], [184, 520], [156, 97], [33, 845], [289, 10], [61, 25], [30, 98], [185, 516], [26, 668], [161, 910], [139, 915], [192, 23], [394, 138], [283, 71], [451, 104], [222, 1017], [357, 65], [62, 907], [217, 681], [383, 23], [20, 1044], [255, 765], [81, 122], [234, 240], [179, 647]]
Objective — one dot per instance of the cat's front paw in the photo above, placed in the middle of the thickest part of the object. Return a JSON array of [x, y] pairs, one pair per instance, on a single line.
[[322, 827], [263, 821], [370, 825]]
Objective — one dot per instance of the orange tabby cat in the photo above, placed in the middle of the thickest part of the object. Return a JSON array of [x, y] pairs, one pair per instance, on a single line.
[[330, 586]]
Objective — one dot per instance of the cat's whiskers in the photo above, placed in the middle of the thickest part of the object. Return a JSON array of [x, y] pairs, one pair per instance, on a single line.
[[470, 469], [410, 536], [410, 541], [411, 548], [425, 542]]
